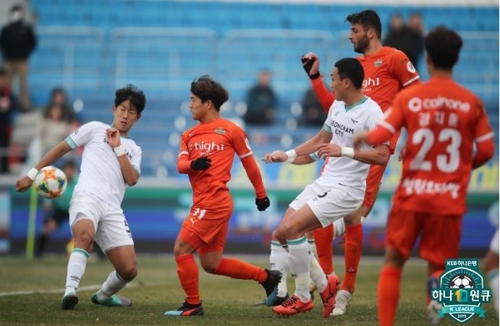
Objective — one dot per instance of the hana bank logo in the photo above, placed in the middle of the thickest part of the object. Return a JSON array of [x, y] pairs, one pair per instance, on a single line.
[[461, 290]]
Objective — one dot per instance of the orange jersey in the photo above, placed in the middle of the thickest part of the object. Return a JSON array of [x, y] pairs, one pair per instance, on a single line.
[[219, 140], [386, 73], [443, 120]]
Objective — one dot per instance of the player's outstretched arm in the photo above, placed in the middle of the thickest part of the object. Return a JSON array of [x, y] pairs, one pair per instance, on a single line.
[[380, 154], [53, 155], [310, 63]]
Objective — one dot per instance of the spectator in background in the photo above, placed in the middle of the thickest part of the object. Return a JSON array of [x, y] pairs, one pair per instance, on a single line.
[[54, 127], [7, 106], [312, 111], [417, 34], [58, 96], [399, 36], [17, 42], [261, 101]]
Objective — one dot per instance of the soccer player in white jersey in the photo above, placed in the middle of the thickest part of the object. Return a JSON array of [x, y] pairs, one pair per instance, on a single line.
[[339, 190], [110, 162]]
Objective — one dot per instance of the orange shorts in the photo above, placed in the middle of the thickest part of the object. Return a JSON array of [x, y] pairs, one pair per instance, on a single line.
[[373, 181], [208, 233], [439, 234]]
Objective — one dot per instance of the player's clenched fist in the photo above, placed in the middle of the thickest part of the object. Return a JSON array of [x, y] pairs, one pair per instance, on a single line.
[[201, 163], [262, 203], [113, 137], [275, 156]]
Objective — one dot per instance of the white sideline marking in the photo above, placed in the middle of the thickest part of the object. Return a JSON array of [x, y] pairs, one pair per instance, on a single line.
[[81, 288]]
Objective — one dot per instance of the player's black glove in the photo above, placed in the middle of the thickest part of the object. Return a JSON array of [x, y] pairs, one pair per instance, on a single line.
[[262, 203], [201, 163], [307, 64]]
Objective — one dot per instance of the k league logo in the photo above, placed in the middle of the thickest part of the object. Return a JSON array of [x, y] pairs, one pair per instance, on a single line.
[[461, 290]]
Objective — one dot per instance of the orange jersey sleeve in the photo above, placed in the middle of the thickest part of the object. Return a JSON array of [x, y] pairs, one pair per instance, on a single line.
[[324, 96], [443, 121]]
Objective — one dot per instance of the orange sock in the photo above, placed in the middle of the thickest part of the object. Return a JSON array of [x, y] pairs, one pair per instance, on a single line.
[[389, 285], [188, 277], [241, 270], [353, 248], [324, 247]]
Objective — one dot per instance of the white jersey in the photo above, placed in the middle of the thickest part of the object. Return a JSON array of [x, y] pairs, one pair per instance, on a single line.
[[343, 122], [100, 172]]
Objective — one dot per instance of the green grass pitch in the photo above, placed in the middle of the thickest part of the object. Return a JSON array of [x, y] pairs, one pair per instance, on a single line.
[[30, 294]]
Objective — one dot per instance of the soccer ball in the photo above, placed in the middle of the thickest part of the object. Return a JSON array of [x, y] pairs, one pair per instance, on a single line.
[[461, 282], [50, 182]]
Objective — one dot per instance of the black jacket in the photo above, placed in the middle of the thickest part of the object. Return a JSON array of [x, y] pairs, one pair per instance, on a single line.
[[17, 41]]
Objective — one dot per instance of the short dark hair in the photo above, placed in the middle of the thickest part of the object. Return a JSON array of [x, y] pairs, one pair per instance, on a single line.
[[132, 93], [208, 89], [443, 46], [351, 68], [368, 19]]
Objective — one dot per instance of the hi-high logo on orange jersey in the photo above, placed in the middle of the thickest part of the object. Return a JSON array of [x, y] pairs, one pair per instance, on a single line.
[[206, 148]]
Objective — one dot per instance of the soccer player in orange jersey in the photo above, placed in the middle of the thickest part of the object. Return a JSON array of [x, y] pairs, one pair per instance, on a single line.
[[206, 156], [445, 122], [387, 71]]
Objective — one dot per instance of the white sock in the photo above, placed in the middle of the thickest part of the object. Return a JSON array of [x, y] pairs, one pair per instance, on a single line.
[[317, 275], [112, 285], [493, 277], [75, 270], [338, 228], [278, 260], [299, 260], [312, 243]]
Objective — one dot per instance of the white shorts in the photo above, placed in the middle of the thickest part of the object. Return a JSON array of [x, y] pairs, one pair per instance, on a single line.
[[494, 243], [110, 226], [327, 205], [310, 191]]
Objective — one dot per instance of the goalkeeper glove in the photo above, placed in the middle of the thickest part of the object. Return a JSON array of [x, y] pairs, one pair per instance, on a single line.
[[201, 163], [307, 64], [262, 203]]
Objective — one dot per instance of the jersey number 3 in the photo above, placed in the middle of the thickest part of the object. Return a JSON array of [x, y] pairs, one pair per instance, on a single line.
[[447, 162]]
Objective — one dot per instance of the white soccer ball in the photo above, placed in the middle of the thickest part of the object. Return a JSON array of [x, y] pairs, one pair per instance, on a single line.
[[461, 282], [50, 182]]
